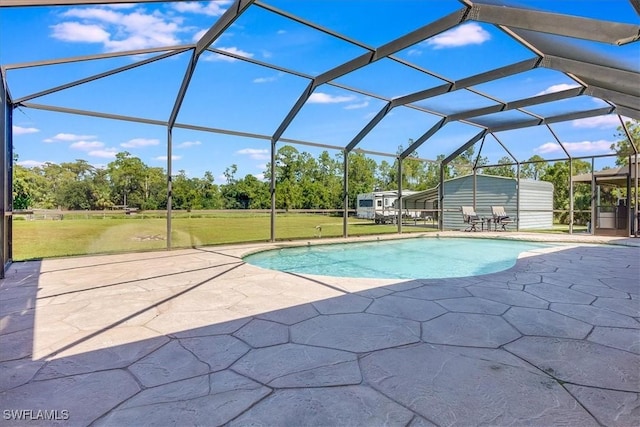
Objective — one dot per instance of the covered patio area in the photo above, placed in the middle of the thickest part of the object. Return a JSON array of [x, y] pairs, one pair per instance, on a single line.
[[614, 218]]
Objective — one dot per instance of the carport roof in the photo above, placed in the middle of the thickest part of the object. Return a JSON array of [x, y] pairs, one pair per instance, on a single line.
[[431, 194], [615, 176]]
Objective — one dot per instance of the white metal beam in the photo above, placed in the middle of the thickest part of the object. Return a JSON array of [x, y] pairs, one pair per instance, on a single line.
[[176, 49], [555, 23], [224, 22]]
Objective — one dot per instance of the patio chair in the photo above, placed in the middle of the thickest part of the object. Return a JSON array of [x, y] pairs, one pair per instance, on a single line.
[[500, 218], [471, 218]]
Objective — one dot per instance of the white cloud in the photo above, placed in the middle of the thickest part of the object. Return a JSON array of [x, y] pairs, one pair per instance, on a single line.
[[142, 31], [255, 153], [77, 32], [117, 30], [19, 130], [94, 13], [548, 147], [601, 146], [86, 145], [164, 158], [608, 121], [198, 35], [281, 32], [213, 8], [69, 137], [188, 6], [363, 104], [108, 153], [556, 88], [269, 79], [139, 142], [188, 144], [31, 163], [462, 35], [265, 79], [590, 146], [120, 6], [233, 50], [325, 98]]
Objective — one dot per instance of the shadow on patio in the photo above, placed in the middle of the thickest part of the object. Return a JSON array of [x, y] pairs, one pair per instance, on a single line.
[[197, 337]]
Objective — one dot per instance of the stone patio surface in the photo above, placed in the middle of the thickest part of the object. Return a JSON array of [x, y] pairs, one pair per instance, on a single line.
[[198, 337]]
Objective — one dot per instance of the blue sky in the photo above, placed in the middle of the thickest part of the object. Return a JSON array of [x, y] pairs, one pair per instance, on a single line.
[[236, 95]]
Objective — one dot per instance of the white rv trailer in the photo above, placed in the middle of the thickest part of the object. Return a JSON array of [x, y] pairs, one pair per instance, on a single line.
[[379, 205]]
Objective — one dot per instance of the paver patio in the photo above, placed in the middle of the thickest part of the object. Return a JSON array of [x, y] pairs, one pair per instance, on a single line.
[[198, 337]]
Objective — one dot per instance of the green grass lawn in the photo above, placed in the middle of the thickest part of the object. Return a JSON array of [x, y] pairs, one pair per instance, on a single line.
[[81, 235]]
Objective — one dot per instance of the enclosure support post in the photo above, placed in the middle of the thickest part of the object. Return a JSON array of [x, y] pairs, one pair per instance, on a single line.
[[169, 185], [636, 213], [8, 221], [441, 198], [518, 196], [345, 190], [186, 80], [630, 219], [399, 200], [475, 188], [272, 189], [6, 177], [570, 177], [594, 206], [634, 165], [570, 196]]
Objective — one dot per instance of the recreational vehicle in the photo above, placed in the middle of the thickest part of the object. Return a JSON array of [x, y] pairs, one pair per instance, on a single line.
[[379, 205]]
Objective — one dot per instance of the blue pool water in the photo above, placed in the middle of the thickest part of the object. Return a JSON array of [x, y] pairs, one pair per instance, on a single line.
[[418, 258]]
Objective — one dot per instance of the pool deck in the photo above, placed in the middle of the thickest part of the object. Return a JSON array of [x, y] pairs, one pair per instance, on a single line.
[[198, 337]]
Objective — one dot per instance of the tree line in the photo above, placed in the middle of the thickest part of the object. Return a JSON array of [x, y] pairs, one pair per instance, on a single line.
[[302, 181]]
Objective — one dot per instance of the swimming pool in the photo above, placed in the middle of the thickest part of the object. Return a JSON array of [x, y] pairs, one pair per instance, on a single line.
[[415, 258]]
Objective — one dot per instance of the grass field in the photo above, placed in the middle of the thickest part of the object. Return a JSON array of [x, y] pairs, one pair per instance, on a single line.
[[82, 234]]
